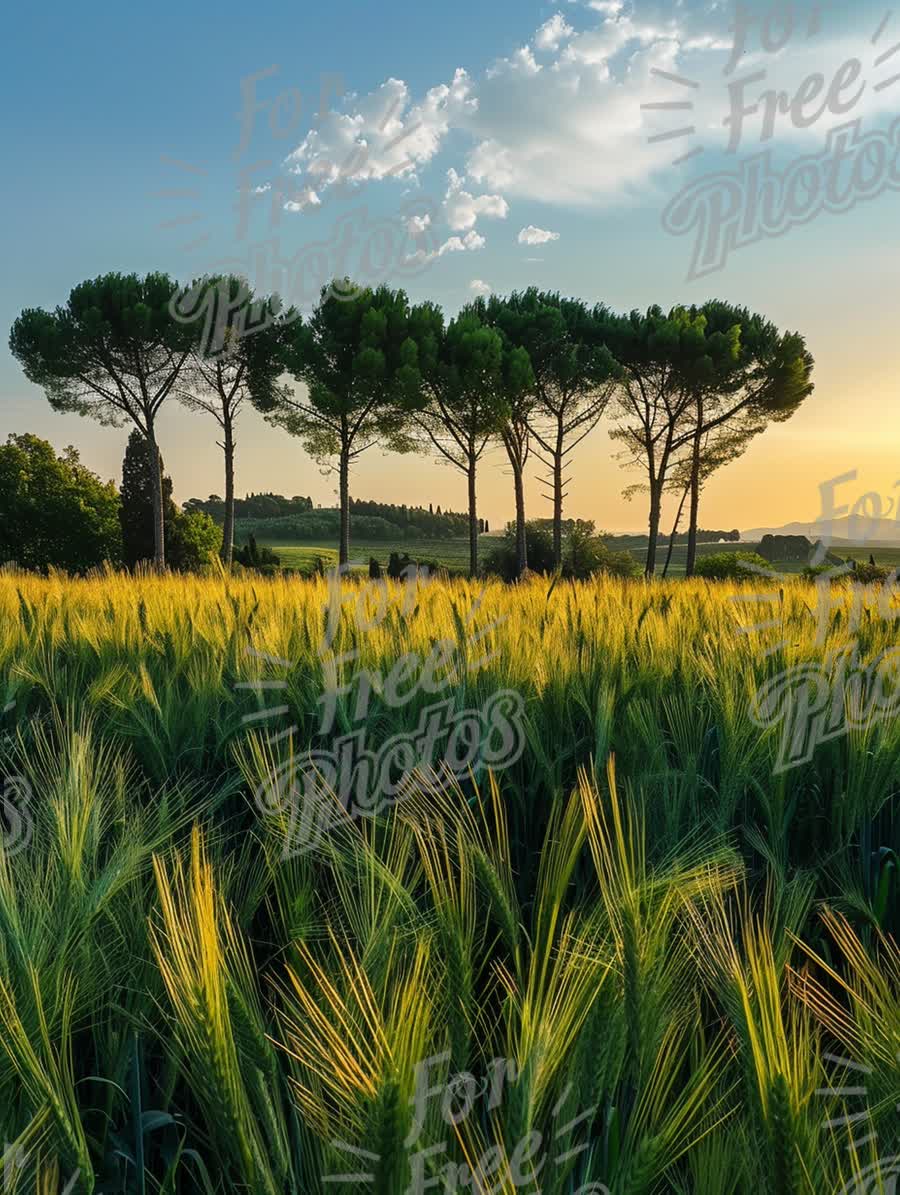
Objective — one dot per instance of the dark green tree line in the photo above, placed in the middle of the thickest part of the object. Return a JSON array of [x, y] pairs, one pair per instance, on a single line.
[[530, 375]]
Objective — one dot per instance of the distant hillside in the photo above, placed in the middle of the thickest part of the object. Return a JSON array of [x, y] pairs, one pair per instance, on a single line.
[[274, 517], [842, 533], [639, 541]]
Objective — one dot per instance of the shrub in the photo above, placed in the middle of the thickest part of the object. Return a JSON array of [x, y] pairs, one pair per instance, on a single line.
[[731, 566], [584, 553], [194, 541], [53, 511], [502, 558], [868, 572], [859, 572], [262, 559], [400, 566]]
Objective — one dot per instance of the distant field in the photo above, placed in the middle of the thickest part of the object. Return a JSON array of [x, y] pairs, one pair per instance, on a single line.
[[452, 554], [889, 557], [679, 554]]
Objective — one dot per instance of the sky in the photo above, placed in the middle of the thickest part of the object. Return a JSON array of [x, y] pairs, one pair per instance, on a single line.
[[456, 149]]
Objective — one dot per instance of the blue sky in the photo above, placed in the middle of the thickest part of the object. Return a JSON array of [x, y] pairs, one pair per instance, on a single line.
[[536, 111]]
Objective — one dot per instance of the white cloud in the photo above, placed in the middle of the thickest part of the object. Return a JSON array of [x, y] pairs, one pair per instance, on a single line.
[[561, 119], [573, 131], [462, 209], [416, 225], [303, 198], [471, 242], [385, 136], [552, 32], [536, 236], [480, 287]]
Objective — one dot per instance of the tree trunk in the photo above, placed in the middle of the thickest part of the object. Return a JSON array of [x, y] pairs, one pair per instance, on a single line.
[[344, 547], [684, 494], [653, 527], [156, 492], [228, 529], [515, 443], [473, 520], [695, 494], [558, 496], [521, 540]]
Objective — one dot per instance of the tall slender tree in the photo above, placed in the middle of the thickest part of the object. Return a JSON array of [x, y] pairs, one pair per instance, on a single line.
[[695, 466], [659, 354], [358, 361], [694, 373], [575, 377], [113, 352], [518, 402], [244, 356], [467, 406], [136, 506], [763, 380]]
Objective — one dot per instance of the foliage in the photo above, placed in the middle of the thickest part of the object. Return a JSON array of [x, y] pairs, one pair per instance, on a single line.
[[584, 553], [114, 352], [632, 542], [263, 559], [54, 512], [698, 383], [533, 371], [195, 542], [238, 354], [785, 547], [502, 559], [468, 400], [573, 377], [516, 391], [324, 523], [732, 566], [254, 506], [192, 540], [359, 359], [136, 510], [404, 566], [868, 572]]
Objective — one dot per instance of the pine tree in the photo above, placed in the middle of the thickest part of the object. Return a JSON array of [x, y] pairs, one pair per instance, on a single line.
[[136, 511], [191, 539]]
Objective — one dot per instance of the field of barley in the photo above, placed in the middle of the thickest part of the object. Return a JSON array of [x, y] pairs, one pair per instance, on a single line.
[[649, 949]]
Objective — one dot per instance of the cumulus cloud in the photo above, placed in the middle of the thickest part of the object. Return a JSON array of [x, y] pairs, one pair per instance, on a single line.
[[302, 198], [564, 119], [462, 209], [479, 287], [552, 32], [536, 236], [470, 242], [385, 136]]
